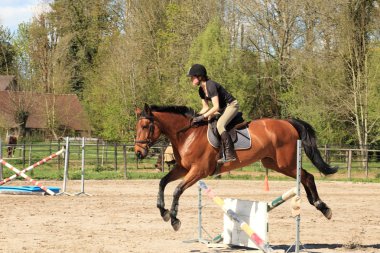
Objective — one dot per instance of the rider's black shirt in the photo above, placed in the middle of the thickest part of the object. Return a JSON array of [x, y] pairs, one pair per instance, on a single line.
[[215, 89]]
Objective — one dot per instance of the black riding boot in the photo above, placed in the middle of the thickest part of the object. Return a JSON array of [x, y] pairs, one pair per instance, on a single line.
[[229, 149]]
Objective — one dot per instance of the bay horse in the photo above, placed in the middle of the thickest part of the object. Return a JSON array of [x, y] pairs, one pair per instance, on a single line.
[[12, 142], [273, 143]]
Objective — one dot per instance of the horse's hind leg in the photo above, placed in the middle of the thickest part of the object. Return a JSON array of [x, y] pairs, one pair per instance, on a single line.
[[173, 175], [307, 181]]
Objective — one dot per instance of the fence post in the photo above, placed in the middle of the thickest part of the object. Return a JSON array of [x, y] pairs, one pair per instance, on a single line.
[[82, 164], [30, 159], [59, 157], [349, 163], [366, 161], [23, 154], [97, 153], [115, 155], [162, 159], [125, 160], [106, 152], [327, 154]]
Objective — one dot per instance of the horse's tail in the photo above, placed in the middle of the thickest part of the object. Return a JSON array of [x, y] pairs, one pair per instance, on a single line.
[[308, 137]]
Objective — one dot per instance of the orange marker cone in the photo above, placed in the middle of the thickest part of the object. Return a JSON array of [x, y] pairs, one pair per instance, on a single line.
[[266, 184]]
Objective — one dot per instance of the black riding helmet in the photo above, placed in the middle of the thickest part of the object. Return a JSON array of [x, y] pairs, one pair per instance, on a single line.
[[197, 70]]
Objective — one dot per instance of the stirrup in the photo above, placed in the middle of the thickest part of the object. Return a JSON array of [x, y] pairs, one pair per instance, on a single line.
[[224, 160]]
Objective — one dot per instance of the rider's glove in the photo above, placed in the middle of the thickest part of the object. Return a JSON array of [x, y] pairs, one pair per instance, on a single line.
[[198, 119]]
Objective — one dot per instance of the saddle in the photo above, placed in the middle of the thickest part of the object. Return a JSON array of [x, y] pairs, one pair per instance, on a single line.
[[237, 129]]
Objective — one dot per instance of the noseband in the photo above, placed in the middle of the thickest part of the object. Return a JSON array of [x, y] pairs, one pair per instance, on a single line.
[[148, 140]]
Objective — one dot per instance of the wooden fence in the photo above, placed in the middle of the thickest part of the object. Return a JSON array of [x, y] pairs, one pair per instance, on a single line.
[[120, 156], [353, 158]]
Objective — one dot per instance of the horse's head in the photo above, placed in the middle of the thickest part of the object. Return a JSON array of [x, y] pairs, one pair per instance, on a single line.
[[147, 132]]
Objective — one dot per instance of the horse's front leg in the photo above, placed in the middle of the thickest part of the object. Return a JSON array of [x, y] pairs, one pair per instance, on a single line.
[[190, 179], [173, 175]]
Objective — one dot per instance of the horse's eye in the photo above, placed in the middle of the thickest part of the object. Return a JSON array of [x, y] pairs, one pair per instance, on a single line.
[[144, 127]]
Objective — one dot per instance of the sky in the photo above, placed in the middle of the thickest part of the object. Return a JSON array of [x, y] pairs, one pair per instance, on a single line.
[[14, 12]]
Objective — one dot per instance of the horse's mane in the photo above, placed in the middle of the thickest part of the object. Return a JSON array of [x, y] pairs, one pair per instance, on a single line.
[[177, 109]]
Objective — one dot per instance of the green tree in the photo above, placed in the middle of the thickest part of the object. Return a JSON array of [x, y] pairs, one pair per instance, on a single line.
[[81, 25], [232, 67], [7, 52], [356, 41], [143, 62]]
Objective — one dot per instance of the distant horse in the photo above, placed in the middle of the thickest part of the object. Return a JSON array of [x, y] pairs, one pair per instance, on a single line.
[[273, 143], [12, 146]]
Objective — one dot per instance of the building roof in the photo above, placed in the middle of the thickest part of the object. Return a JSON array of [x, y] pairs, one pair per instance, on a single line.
[[67, 110], [6, 82]]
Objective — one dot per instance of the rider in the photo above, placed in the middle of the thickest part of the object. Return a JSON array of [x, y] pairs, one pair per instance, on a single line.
[[222, 102]]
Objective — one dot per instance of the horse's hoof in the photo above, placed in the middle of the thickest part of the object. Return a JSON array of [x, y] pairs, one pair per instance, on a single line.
[[166, 215], [327, 213], [321, 206], [176, 225]]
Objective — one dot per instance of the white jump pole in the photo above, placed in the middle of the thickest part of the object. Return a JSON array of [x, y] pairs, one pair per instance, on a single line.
[[298, 191], [298, 217], [200, 228], [66, 169], [82, 175]]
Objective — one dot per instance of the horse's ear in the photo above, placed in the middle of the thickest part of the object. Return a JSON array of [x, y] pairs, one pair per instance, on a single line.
[[138, 111], [147, 109]]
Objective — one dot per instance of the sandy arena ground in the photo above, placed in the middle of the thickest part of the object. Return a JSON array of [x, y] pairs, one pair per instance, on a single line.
[[121, 216]]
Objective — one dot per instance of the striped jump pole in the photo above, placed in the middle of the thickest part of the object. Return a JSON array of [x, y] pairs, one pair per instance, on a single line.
[[18, 172], [243, 225], [46, 159], [284, 197]]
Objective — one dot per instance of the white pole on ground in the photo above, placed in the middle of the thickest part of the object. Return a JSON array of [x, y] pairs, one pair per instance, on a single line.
[[82, 175]]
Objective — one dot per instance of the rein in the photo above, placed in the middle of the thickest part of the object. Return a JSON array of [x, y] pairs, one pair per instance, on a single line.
[[191, 125], [149, 141], [185, 128]]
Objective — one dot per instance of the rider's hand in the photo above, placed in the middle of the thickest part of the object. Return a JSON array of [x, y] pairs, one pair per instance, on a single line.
[[198, 119]]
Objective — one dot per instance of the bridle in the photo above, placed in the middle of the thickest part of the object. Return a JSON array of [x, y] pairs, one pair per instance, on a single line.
[[148, 140]]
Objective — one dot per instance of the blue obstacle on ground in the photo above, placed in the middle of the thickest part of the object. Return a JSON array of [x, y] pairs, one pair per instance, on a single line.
[[32, 190]]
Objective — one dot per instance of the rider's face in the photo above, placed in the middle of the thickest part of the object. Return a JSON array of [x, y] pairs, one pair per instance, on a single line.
[[195, 81]]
